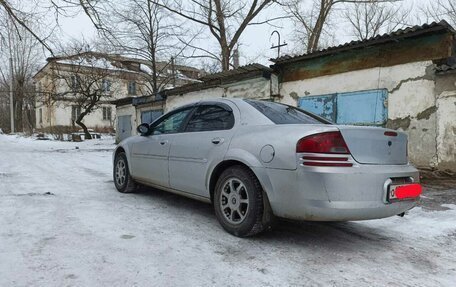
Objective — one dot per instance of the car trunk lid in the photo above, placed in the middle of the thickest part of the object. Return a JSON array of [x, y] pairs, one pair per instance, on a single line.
[[372, 145]]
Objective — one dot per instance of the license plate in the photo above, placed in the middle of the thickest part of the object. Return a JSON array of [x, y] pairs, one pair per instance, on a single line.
[[404, 191]]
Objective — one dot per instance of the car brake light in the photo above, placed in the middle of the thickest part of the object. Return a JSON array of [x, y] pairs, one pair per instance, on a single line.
[[330, 144], [327, 142], [390, 134]]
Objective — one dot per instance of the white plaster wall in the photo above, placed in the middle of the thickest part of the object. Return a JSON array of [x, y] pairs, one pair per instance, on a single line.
[[410, 92], [367, 79], [119, 87], [252, 89], [446, 130], [258, 88], [173, 102], [61, 116], [45, 118]]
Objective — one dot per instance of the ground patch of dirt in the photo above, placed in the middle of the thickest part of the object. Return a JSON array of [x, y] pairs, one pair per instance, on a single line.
[[438, 191]]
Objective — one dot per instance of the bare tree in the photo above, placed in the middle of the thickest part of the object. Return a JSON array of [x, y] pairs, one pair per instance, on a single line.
[[144, 30], [442, 10], [311, 18], [82, 82], [18, 16], [25, 53], [46, 15], [226, 20], [371, 18]]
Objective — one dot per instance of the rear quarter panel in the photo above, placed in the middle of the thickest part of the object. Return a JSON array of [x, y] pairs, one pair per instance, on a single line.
[[282, 138]]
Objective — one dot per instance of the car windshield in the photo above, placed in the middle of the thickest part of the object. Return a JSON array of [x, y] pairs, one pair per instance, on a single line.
[[281, 114]]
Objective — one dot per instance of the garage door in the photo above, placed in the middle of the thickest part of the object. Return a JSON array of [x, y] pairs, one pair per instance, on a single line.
[[357, 108], [123, 127]]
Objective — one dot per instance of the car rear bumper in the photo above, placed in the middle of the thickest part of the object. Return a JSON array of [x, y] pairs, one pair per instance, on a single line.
[[337, 194]]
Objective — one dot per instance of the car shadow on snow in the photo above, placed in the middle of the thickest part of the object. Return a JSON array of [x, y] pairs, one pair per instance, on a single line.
[[323, 234]]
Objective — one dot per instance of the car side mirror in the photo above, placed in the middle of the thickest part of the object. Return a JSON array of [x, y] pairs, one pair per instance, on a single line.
[[143, 129]]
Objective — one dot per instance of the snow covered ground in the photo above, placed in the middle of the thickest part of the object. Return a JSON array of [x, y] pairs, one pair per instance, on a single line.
[[62, 223]]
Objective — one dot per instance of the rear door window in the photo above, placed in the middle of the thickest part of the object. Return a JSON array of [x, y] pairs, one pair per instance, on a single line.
[[283, 114], [210, 118]]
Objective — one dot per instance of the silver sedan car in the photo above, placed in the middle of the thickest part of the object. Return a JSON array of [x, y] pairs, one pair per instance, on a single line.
[[258, 160]]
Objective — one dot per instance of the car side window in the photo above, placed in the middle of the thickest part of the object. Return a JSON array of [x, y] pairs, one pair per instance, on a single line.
[[210, 118], [171, 123]]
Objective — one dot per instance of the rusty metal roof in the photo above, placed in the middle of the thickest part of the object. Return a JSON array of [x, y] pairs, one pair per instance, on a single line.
[[393, 36]]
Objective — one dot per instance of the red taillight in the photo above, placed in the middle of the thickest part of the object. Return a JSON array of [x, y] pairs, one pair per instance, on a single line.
[[329, 142]]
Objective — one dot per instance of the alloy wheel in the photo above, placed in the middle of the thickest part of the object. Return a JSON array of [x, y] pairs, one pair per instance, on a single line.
[[234, 201]]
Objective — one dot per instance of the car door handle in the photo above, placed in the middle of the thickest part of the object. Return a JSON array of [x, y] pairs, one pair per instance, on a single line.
[[217, 140], [163, 142]]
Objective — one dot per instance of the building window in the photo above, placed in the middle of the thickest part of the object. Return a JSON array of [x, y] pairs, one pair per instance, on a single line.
[[74, 83], [41, 116], [132, 88], [106, 85], [106, 113], [38, 90], [75, 112], [356, 108]]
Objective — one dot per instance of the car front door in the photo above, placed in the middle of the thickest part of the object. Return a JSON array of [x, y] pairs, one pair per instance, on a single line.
[[150, 154], [204, 141]]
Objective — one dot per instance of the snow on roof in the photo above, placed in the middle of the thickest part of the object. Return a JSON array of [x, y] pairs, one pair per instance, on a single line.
[[91, 62], [146, 69]]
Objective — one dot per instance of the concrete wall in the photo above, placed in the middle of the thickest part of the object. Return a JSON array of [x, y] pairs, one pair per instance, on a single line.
[[411, 100], [446, 121], [258, 88]]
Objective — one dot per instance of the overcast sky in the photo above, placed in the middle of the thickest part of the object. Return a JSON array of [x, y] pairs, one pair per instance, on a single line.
[[256, 40]]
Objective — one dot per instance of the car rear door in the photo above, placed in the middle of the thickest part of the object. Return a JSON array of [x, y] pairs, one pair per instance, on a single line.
[[205, 141], [150, 154]]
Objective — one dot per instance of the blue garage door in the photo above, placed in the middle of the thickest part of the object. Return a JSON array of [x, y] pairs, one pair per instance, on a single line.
[[320, 105], [150, 116], [357, 108]]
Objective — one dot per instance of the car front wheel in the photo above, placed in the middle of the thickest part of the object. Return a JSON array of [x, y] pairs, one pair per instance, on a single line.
[[122, 179], [238, 202]]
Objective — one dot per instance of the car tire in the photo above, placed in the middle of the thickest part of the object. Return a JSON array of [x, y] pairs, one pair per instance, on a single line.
[[121, 174], [239, 202]]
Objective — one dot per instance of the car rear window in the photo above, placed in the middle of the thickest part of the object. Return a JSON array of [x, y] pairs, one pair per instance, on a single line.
[[283, 114]]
